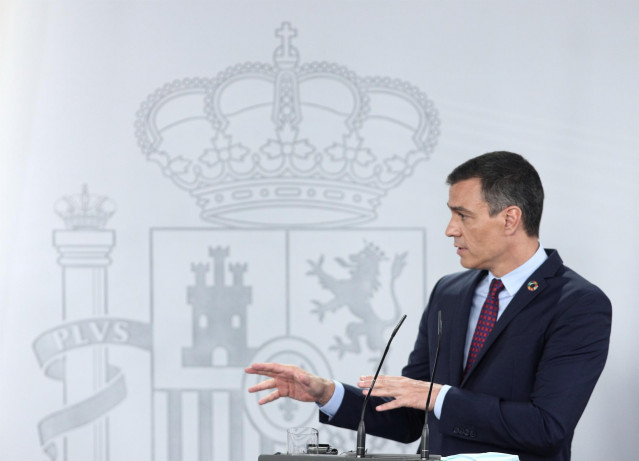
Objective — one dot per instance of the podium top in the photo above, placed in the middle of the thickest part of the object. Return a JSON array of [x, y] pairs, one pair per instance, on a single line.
[[348, 455]]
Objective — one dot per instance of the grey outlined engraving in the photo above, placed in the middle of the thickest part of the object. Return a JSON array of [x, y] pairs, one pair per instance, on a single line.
[[285, 156], [356, 293], [314, 143], [80, 344], [219, 315]]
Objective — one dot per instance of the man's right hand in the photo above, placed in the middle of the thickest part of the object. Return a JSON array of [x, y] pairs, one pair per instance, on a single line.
[[291, 381]]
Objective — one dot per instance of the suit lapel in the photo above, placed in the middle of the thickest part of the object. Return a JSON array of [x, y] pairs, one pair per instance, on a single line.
[[459, 328], [534, 285]]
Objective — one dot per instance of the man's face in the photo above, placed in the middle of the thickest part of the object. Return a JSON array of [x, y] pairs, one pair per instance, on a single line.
[[479, 238]]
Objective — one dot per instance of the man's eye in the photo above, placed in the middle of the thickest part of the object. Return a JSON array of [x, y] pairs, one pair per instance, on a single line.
[[462, 216]]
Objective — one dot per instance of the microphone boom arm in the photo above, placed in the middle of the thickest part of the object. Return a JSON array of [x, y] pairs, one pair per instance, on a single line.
[[425, 440], [361, 429]]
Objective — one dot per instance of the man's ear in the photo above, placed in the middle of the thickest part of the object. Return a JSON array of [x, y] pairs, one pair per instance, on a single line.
[[512, 219]]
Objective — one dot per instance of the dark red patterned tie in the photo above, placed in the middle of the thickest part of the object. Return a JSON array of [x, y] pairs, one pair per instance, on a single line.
[[486, 322]]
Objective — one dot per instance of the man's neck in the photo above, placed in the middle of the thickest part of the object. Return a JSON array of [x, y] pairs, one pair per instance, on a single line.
[[518, 254]]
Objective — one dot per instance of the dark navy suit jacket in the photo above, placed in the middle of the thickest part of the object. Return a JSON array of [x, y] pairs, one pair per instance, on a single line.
[[531, 381]]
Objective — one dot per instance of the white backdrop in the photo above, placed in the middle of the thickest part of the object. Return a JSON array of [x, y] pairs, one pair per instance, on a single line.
[[96, 320]]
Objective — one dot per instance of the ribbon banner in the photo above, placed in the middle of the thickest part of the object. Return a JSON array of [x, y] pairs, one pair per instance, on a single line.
[[51, 348]]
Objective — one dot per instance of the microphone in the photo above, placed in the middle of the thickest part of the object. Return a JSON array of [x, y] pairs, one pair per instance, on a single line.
[[361, 429], [425, 440]]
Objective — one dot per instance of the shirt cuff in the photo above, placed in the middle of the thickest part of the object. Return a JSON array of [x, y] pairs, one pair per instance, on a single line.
[[439, 401], [334, 403]]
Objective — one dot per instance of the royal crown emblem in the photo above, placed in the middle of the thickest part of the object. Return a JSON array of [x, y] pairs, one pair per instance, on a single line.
[[84, 211], [287, 144]]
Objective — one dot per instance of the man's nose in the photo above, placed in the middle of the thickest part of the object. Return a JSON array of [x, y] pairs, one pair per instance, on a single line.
[[452, 230]]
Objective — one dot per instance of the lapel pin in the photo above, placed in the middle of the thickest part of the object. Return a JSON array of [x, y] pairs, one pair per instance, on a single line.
[[533, 285]]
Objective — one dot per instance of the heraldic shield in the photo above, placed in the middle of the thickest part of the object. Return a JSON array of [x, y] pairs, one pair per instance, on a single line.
[[286, 154], [325, 300]]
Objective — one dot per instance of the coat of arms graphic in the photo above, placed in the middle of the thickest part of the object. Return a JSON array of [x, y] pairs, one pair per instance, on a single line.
[[283, 159]]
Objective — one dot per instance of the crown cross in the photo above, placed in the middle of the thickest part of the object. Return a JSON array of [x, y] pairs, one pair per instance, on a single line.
[[286, 55]]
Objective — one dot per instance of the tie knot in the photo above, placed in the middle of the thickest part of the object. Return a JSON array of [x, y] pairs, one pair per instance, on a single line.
[[496, 285]]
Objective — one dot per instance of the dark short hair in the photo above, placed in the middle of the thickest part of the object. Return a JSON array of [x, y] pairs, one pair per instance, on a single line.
[[507, 179]]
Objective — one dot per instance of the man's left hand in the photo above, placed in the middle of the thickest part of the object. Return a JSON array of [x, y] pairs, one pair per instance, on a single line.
[[406, 392]]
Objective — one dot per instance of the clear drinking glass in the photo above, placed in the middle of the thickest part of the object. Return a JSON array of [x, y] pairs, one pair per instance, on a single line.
[[298, 439]]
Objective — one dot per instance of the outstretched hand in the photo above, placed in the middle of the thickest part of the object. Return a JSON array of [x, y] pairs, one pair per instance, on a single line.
[[290, 381], [406, 392]]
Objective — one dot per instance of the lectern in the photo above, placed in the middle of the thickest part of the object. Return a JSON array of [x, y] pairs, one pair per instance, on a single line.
[[346, 456]]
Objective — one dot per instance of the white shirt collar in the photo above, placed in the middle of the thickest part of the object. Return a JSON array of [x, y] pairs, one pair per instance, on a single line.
[[515, 279]]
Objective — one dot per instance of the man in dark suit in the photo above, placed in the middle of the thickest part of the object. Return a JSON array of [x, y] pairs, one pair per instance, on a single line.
[[524, 338]]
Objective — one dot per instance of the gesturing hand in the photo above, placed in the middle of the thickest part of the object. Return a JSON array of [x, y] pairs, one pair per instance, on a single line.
[[290, 381], [406, 392]]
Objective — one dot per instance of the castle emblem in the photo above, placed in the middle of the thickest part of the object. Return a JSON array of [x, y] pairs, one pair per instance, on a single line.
[[315, 143], [219, 315]]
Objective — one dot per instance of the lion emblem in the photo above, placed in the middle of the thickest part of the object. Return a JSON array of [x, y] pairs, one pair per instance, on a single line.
[[356, 292]]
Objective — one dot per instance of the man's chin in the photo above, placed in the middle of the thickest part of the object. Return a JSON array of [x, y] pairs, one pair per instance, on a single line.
[[466, 263]]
